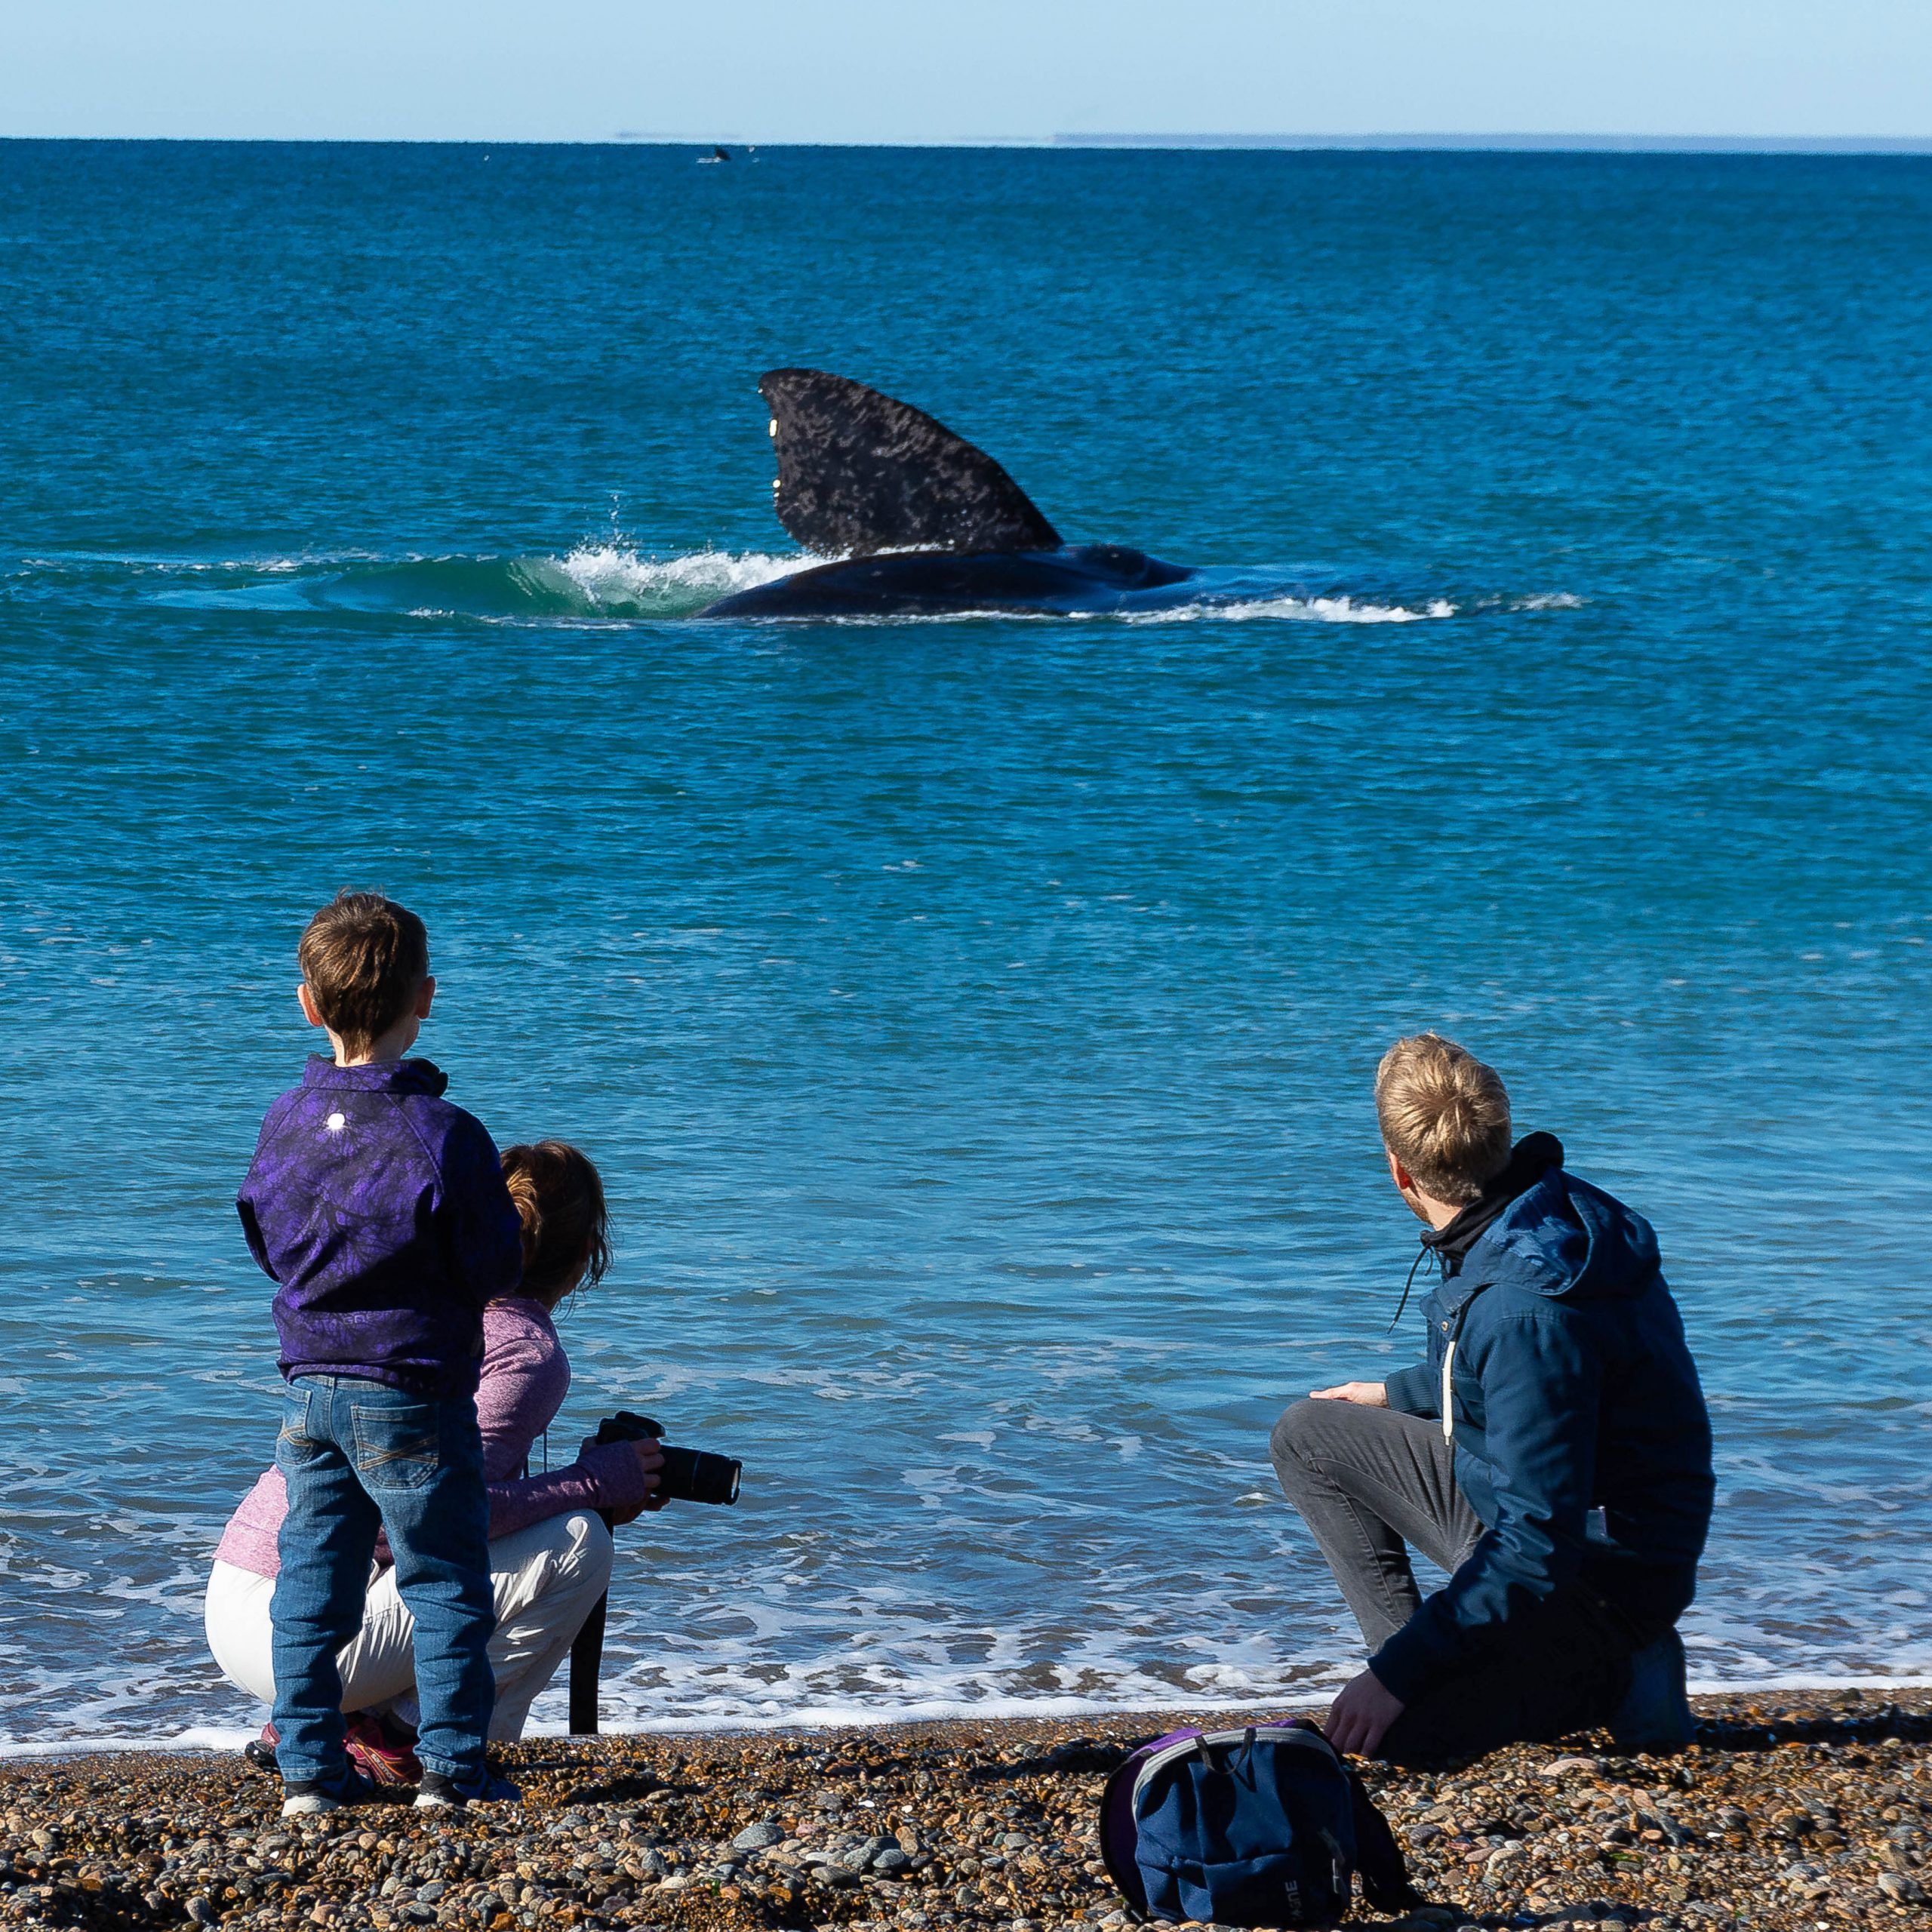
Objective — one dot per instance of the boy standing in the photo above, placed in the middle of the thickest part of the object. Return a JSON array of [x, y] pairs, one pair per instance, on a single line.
[[1552, 1453], [380, 1211]]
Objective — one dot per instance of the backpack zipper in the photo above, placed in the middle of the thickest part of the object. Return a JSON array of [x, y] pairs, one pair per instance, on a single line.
[[1202, 1746]]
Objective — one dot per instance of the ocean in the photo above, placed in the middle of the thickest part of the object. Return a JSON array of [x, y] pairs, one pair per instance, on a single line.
[[974, 1019]]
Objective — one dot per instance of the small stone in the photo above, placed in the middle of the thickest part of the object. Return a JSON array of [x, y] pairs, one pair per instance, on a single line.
[[200, 1911], [757, 1838]]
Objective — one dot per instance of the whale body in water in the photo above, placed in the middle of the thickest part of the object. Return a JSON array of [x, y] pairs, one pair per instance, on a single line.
[[921, 523]]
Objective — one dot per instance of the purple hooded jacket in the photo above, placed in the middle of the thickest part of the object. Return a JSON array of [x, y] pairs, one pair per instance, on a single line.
[[380, 1211]]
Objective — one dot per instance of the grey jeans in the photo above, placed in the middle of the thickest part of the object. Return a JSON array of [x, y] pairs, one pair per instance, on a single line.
[[1369, 1483], [1372, 1483]]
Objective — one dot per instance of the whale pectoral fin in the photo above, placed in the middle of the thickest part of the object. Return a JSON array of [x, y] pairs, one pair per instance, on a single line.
[[860, 473]]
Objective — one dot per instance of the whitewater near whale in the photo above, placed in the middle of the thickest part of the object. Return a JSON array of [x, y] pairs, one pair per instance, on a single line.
[[899, 518], [919, 522]]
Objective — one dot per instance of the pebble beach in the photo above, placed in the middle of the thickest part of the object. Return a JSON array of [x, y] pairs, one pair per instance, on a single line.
[[1795, 1811]]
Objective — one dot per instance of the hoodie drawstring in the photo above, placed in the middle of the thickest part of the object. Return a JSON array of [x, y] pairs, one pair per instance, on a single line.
[[1422, 1254]]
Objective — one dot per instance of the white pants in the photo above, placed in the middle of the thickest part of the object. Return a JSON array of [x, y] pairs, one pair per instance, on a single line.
[[547, 1579]]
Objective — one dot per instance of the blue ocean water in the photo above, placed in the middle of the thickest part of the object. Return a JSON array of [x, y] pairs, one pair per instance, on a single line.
[[974, 1019]]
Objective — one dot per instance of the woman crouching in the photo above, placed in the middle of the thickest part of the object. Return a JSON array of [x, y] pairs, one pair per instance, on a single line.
[[549, 1550]]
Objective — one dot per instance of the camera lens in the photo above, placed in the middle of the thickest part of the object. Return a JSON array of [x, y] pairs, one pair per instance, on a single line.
[[695, 1475]]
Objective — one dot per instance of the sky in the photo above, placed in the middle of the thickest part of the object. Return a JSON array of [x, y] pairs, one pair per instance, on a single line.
[[964, 70]]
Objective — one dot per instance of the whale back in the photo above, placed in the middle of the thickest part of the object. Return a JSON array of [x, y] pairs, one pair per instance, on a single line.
[[859, 473]]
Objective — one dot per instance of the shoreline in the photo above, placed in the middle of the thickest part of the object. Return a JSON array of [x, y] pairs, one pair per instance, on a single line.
[[202, 1742], [1795, 1809]]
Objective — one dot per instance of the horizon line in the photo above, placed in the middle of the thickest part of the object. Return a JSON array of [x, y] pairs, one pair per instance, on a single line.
[[1385, 143], [1627, 143]]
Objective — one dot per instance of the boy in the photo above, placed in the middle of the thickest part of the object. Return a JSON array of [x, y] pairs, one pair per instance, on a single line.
[[380, 1211], [1553, 1454]]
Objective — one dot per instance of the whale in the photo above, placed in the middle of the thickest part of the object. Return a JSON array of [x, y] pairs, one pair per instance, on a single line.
[[916, 521]]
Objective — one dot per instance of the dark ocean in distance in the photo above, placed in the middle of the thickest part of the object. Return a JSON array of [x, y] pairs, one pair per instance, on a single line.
[[974, 1019]]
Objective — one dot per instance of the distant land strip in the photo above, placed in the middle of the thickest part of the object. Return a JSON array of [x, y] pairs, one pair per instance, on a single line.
[[1530, 143]]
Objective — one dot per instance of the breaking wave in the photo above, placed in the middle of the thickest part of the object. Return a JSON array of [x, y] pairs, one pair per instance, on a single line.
[[1340, 610], [612, 583]]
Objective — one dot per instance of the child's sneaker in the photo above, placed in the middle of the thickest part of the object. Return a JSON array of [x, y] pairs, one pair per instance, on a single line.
[[306, 1798], [442, 1793], [258, 1754], [383, 1750]]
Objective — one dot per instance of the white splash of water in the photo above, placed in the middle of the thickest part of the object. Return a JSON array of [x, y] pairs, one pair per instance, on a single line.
[[1328, 610], [608, 580]]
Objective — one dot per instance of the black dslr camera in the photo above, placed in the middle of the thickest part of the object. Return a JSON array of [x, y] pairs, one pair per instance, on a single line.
[[689, 1475]]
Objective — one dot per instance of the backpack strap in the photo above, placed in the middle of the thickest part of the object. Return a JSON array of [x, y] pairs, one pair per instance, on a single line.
[[1385, 1872], [1379, 1860]]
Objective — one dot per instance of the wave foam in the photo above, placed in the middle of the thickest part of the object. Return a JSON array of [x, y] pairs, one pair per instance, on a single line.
[[839, 1715], [618, 582], [1343, 610], [612, 582]]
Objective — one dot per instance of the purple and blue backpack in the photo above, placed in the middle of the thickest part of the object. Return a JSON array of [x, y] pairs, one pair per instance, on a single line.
[[1266, 1825]]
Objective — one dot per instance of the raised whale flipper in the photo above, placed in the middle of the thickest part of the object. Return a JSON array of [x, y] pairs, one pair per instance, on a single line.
[[859, 473]]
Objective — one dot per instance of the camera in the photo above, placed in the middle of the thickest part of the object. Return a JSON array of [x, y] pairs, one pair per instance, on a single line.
[[689, 1475]]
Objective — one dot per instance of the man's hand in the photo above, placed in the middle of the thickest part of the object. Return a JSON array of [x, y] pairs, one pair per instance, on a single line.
[[1370, 1395], [649, 1460], [1361, 1715]]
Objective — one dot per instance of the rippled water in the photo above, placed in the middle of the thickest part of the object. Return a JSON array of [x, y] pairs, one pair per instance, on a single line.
[[974, 1019]]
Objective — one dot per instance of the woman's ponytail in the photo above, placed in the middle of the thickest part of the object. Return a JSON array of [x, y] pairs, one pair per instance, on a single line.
[[559, 1199]]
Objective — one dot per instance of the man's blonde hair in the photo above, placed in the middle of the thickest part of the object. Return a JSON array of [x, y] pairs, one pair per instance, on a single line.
[[1445, 1115]]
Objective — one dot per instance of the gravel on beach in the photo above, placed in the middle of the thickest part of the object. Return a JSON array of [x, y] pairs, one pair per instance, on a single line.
[[1800, 1810]]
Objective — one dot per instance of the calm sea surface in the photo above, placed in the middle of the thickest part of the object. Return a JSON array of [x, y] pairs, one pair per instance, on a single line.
[[974, 1019]]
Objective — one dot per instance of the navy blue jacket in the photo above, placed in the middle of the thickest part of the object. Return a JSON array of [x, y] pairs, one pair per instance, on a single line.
[[1572, 1391], [380, 1211]]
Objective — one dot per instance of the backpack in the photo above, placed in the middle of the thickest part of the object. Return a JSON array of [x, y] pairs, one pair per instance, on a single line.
[[1264, 1826]]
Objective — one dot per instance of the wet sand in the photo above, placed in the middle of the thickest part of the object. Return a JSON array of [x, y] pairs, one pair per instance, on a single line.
[[1795, 1809]]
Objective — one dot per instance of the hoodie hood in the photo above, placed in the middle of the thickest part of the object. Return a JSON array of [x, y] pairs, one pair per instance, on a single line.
[[1530, 1159], [1567, 1240]]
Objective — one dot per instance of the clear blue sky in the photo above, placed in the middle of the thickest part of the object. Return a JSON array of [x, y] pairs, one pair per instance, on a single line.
[[900, 70]]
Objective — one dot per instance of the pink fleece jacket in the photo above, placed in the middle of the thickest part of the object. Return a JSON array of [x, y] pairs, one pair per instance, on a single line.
[[526, 1375]]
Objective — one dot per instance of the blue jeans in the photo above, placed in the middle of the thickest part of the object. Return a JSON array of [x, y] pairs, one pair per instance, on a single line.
[[357, 1455]]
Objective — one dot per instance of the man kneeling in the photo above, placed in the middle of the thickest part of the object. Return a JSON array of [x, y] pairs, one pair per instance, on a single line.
[[1553, 1454]]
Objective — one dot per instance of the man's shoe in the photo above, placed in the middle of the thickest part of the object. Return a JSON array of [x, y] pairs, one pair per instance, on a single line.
[[307, 1798], [1655, 1715], [441, 1793]]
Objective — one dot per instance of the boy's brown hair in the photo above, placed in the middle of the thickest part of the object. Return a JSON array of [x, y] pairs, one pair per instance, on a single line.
[[559, 1199], [1445, 1115], [364, 956]]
